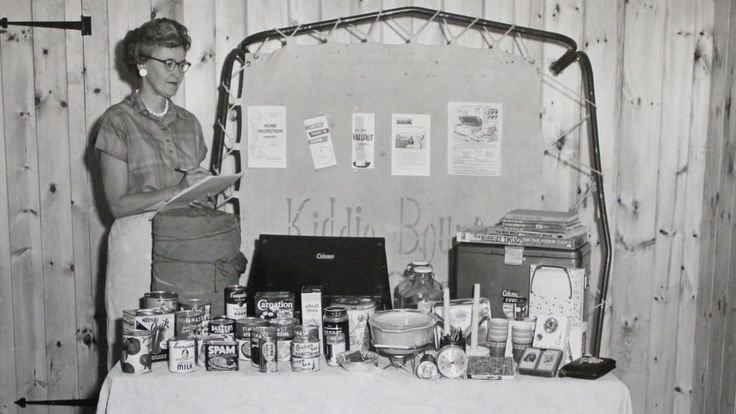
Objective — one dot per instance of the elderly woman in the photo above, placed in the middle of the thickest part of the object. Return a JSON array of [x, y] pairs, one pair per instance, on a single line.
[[149, 150]]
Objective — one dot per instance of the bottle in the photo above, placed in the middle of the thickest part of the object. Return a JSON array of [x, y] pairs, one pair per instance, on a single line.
[[335, 344], [336, 320], [418, 287]]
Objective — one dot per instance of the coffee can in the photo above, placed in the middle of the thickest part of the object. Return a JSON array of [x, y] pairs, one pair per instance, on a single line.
[[159, 299], [235, 304], [137, 351], [182, 354]]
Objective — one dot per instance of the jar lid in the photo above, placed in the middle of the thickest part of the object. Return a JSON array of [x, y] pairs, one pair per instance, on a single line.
[[336, 311], [354, 302], [422, 270]]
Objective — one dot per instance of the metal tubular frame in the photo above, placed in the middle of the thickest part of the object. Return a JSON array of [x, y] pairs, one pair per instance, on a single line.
[[570, 56]]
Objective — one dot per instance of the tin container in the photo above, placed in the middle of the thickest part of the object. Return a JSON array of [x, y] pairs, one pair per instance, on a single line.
[[201, 305], [335, 345], [284, 336], [305, 349], [165, 301], [137, 351], [268, 359], [182, 354], [189, 323], [335, 319], [222, 325], [256, 334], [359, 310], [200, 340], [243, 334], [160, 323], [235, 304], [221, 355]]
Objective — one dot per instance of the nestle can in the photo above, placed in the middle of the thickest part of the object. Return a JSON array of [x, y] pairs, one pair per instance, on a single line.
[[199, 341], [256, 334], [235, 305], [243, 334], [268, 359], [165, 301], [284, 335], [137, 351], [221, 355], [159, 322], [189, 323], [305, 349], [182, 354], [222, 326], [198, 305]]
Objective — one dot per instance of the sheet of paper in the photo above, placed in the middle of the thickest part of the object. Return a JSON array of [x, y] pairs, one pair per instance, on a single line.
[[410, 139], [267, 137], [474, 131], [320, 142], [209, 186], [364, 139]]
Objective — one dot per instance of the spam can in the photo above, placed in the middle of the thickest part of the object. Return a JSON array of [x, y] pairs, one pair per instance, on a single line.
[[137, 351], [182, 354], [199, 343], [221, 355]]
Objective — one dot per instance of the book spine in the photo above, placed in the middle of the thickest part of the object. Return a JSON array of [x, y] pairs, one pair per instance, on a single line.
[[528, 217], [529, 241]]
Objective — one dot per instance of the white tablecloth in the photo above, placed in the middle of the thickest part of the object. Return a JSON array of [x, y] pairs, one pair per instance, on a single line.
[[333, 390]]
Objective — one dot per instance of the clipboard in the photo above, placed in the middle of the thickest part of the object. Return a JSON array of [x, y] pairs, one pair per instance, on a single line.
[[213, 184]]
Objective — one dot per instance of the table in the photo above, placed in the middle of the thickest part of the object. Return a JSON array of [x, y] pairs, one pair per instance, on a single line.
[[334, 390]]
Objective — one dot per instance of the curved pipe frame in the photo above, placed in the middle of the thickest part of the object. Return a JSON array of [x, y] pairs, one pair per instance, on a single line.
[[570, 56]]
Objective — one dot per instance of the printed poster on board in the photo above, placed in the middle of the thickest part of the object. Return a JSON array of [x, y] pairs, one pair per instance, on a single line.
[[410, 138], [364, 139], [267, 137], [474, 131], [320, 142]]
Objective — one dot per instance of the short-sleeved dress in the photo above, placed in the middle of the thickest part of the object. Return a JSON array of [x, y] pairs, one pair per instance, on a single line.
[[153, 148]]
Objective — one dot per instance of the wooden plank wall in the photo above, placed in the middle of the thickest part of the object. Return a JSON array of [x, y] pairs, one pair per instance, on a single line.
[[664, 73]]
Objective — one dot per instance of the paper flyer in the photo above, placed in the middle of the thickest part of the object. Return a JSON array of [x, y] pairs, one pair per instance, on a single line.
[[474, 132], [364, 139], [410, 139], [320, 143], [267, 137]]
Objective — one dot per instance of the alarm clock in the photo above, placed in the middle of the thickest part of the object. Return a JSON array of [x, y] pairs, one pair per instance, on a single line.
[[452, 362]]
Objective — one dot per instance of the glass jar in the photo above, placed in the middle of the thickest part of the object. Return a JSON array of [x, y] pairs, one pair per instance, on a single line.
[[418, 287]]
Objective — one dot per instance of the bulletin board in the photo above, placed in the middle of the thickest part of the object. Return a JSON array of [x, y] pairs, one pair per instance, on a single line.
[[418, 215]]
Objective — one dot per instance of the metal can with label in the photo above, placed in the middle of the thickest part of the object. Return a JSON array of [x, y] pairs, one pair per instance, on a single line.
[[221, 355], [243, 329], [256, 334], [165, 301], [222, 325], [360, 308], [137, 351], [201, 305], [182, 354], [335, 320], [189, 323], [200, 340], [235, 304], [268, 360], [284, 335], [305, 349]]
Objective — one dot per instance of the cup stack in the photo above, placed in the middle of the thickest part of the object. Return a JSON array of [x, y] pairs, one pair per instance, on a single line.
[[498, 332], [521, 339]]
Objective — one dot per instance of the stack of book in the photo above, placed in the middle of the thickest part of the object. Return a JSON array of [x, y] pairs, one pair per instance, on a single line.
[[531, 228]]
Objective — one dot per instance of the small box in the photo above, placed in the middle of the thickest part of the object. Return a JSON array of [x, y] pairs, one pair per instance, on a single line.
[[540, 362], [578, 339], [311, 300], [268, 304]]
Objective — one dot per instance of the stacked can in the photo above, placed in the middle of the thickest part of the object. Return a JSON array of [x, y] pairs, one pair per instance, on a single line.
[[284, 336], [243, 328], [198, 305], [305, 349], [162, 300], [189, 323], [235, 304]]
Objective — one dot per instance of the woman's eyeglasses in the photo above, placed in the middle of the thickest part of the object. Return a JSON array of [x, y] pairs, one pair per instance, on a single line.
[[170, 64]]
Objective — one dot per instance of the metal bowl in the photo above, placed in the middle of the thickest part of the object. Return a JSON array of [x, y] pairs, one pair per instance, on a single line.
[[402, 331]]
